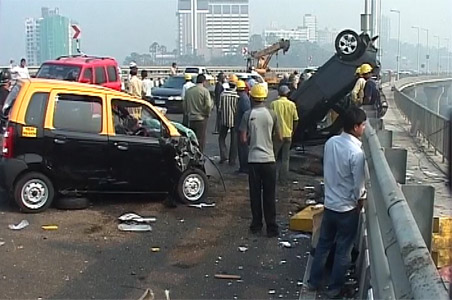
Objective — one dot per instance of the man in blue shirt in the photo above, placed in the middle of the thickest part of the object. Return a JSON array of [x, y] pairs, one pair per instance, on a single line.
[[371, 92], [343, 165], [243, 105]]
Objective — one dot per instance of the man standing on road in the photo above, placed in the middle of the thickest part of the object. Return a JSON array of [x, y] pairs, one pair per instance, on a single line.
[[187, 85], [198, 105], [286, 111], [259, 127], [147, 86], [219, 88], [343, 168], [227, 109], [173, 69], [243, 105], [135, 85], [21, 71]]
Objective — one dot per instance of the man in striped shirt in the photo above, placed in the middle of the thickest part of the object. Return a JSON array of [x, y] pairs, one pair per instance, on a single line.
[[227, 109]]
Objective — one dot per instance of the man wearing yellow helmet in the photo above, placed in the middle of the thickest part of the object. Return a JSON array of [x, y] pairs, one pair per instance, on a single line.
[[243, 105], [357, 93], [258, 128], [371, 91]]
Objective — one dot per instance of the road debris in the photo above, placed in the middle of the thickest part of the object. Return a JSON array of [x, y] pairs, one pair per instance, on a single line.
[[300, 236], [135, 227], [49, 227], [311, 202], [228, 276], [283, 262], [136, 218], [167, 294], [155, 249], [243, 249], [147, 295], [20, 226], [285, 244], [272, 292], [202, 205], [2, 243]]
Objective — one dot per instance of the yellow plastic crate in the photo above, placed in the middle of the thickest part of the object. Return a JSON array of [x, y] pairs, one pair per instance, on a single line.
[[303, 221]]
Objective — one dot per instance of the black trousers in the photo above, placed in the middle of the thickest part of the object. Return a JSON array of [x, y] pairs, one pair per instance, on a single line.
[[242, 153], [232, 156], [262, 183], [200, 127]]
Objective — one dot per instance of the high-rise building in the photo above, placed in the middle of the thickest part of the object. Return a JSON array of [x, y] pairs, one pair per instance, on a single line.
[[192, 26], [385, 33], [55, 35], [310, 22], [32, 42], [208, 26], [273, 35], [228, 26], [326, 36], [48, 37]]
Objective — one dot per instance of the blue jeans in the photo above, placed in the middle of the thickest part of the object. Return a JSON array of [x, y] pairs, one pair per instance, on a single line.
[[340, 228]]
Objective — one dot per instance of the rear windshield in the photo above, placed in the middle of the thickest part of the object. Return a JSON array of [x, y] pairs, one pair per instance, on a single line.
[[60, 72], [10, 99], [174, 83], [192, 70]]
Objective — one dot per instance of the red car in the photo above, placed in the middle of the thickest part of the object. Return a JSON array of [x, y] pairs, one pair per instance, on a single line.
[[83, 68]]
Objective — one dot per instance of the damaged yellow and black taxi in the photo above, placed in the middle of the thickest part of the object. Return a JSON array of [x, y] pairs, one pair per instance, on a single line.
[[64, 137]]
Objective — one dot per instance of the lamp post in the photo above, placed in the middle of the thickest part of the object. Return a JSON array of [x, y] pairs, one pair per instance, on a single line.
[[418, 48], [428, 52], [438, 65], [398, 44], [448, 55]]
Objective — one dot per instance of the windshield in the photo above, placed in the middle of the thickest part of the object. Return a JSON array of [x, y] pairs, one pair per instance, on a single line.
[[174, 83], [9, 101], [61, 72]]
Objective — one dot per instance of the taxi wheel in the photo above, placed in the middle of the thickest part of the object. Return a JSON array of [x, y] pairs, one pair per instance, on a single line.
[[33, 192], [193, 186]]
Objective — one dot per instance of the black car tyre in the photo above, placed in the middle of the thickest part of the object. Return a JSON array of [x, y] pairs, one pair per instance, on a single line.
[[349, 45], [193, 186], [72, 203], [33, 192]]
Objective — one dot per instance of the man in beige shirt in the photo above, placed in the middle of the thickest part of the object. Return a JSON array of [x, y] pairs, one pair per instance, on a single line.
[[197, 106], [135, 85], [358, 91]]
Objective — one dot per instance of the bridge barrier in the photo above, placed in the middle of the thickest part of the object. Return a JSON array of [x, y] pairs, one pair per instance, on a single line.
[[432, 126], [394, 260]]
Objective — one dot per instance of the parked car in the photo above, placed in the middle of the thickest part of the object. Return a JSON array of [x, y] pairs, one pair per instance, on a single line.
[[169, 95], [327, 88], [83, 68], [195, 71], [255, 76], [66, 138]]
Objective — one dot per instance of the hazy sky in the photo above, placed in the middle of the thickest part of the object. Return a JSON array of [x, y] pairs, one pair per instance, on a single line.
[[119, 27]]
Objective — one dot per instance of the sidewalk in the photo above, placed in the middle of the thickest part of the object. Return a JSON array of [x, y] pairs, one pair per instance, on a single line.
[[421, 161]]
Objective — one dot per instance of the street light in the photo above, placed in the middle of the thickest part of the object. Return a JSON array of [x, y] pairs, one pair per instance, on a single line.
[[448, 55], [428, 52], [438, 67], [418, 48], [398, 44]]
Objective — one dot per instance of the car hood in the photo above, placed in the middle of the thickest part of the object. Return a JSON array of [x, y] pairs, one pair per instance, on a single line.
[[166, 91]]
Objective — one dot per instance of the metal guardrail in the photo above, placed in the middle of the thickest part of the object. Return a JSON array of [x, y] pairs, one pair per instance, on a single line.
[[394, 261], [432, 126]]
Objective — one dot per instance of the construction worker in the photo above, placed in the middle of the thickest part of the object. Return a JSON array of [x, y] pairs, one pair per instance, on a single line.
[[358, 90], [243, 105], [227, 109], [287, 114], [198, 105], [258, 128], [219, 88], [135, 85], [187, 85]]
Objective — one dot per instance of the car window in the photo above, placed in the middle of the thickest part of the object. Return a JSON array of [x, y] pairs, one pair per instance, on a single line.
[[36, 109], [135, 119], [78, 113], [174, 82], [192, 70], [10, 99], [88, 74], [112, 75], [100, 75], [58, 71]]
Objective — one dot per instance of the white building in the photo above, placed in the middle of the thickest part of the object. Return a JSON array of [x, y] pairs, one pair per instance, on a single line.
[[273, 35], [326, 36], [310, 22], [228, 26], [32, 41], [192, 26]]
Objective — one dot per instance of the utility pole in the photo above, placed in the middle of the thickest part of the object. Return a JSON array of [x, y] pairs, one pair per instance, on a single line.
[[398, 44], [427, 56], [418, 49], [448, 55], [438, 65]]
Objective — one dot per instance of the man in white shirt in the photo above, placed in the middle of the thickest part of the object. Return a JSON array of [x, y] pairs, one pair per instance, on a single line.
[[343, 169], [21, 71], [147, 86]]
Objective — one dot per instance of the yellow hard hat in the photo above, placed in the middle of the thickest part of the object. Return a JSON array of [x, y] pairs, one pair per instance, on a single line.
[[188, 77], [358, 70], [241, 85], [365, 68], [258, 92], [233, 78]]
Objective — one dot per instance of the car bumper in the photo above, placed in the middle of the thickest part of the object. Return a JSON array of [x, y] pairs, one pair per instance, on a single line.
[[9, 170]]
